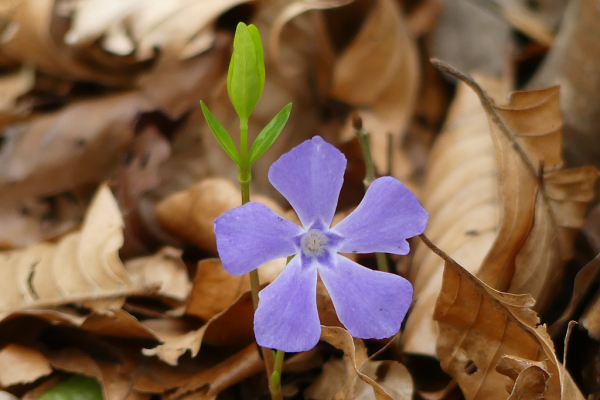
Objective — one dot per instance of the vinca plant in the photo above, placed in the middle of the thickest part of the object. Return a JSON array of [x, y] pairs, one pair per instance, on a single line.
[[370, 304]]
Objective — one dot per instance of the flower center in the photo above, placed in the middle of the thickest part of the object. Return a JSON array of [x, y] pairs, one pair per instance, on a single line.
[[314, 243]]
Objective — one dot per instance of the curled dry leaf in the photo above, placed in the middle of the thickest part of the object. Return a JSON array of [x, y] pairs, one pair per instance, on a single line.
[[163, 270], [461, 198], [584, 281], [82, 266], [190, 215], [20, 364], [478, 325], [528, 378], [341, 339], [179, 28], [540, 205], [379, 75], [396, 381]]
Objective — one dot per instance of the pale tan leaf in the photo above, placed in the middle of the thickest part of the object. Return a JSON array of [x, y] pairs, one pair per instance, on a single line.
[[83, 266], [164, 270], [20, 364], [463, 204], [478, 325], [179, 28], [523, 201]]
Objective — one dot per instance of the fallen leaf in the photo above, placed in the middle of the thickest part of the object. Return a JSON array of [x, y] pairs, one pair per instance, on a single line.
[[84, 266], [190, 215], [341, 339], [583, 283], [478, 325], [463, 204], [164, 270], [179, 28], [20, 364], [378, 73], [215, 290], [33, 37], [77, 145], [529, 378], [540, 205], [209, 383], [574, 63]]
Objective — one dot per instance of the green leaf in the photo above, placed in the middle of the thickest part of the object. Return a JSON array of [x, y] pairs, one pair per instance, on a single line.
[[269, 134], [221, 134], [77, 387], [260, 58], [244, 82]]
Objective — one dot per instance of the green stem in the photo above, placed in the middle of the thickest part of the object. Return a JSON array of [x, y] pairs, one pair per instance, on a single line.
[[363, 139], [244, 177], [382, 264], [275, 381]]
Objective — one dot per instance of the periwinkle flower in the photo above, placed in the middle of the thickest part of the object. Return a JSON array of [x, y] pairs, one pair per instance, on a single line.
[[370, 304]]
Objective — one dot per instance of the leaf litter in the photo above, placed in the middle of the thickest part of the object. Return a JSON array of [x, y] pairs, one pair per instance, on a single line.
[[111, 182]]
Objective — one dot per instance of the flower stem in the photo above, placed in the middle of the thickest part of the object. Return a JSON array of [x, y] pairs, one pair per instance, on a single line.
[[363, 139], [244, 177], [275, 381]]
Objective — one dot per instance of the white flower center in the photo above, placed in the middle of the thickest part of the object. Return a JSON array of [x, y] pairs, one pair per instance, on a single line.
[[314, 243]]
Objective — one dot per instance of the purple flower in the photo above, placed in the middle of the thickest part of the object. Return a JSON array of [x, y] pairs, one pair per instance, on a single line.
[[370, 304]]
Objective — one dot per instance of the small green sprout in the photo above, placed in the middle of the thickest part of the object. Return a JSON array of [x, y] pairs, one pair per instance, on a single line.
[[245, 83]]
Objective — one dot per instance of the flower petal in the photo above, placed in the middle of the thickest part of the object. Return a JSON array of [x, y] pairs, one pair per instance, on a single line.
[[310, 177], [287, 317], [387, 216], [251, 235], [370, 304]]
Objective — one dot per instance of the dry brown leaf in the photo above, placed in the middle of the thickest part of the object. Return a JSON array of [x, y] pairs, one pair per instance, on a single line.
[[179, 28], [539, 205], [397, 380], [82, 266], [291, 11], [341, 339], [479, 325], [76, 145], [379, 75], [164, 270], [528, 378], [33, 37], [583, 282], [190, 215], [215, 290], [209, 383], [462, 201], [20, 364], [13, 85], [591, 317], [574, 63], [116, 384]]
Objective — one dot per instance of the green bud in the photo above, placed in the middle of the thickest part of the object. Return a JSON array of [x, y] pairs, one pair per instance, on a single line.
[[246, 76]]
